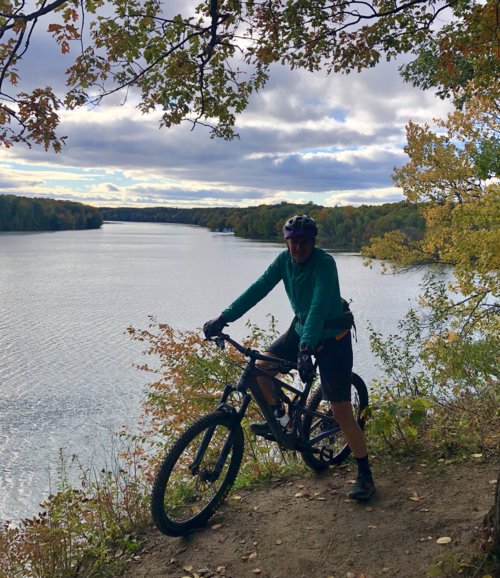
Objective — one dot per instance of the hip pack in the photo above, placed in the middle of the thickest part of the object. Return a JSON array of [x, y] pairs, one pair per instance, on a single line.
[[345, 321]]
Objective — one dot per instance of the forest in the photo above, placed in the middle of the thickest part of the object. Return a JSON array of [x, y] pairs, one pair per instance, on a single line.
[[340, 228], [40, 214]]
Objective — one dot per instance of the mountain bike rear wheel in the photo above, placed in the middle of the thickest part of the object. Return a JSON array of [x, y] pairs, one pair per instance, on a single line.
[[197, 474], [333, 448]]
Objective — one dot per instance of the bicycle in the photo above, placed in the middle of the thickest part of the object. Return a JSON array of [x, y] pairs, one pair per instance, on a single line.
[[202, 465]]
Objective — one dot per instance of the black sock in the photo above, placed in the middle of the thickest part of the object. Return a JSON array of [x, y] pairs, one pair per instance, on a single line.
[[364, 466]]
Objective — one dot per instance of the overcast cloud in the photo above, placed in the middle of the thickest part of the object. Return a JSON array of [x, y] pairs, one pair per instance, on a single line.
[[306, 137]]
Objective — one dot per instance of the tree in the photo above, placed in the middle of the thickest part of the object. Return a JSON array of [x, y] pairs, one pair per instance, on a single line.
[[455, 173], [203, 66]]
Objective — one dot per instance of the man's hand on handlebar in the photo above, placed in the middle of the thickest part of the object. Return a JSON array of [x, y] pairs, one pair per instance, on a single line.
[[214, 327], [305, 365]]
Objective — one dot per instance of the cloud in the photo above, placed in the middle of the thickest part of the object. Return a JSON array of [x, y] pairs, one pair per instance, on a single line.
[[326, 139], [372, 196]]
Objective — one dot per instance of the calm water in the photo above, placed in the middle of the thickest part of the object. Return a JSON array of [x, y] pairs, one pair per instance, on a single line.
[[66, 299]]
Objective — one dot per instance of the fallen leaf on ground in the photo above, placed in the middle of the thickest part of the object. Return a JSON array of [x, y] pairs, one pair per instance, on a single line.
[[188, 568], [216, 526], [443, 540]]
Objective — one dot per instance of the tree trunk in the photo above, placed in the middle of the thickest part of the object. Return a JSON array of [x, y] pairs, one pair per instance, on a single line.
[[496, 520]]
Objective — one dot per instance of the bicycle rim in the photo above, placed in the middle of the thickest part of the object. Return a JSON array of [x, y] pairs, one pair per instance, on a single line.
[[333, 447], [190, 485]]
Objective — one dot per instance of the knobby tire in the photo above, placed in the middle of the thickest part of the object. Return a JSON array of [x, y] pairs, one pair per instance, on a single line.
[[177, 504]]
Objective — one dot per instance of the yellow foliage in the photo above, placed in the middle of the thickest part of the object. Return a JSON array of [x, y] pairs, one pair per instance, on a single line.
[[453, 176]]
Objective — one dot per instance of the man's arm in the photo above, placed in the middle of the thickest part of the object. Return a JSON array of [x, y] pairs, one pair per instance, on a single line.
[[256, 292]]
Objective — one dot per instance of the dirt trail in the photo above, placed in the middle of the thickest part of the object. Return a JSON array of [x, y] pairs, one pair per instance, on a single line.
[[306, 528]]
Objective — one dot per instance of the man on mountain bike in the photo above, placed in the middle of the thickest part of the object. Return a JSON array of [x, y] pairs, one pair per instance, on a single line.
[[312, 285]]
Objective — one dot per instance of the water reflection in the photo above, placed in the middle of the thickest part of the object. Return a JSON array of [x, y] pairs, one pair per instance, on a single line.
[[66, 299]]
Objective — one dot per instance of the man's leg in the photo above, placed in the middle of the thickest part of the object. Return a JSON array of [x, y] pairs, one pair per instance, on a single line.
[[353, 434], [267, 389], [285, 347], [364, 488], [335, 363], [266, 385]]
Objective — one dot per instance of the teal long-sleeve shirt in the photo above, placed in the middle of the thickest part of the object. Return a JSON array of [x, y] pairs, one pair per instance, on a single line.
[[312, 288]]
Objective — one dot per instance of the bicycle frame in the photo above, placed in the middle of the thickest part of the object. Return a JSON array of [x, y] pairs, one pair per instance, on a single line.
[[296, 405]]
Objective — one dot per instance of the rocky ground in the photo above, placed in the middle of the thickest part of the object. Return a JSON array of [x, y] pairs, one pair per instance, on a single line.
[[422, 516]]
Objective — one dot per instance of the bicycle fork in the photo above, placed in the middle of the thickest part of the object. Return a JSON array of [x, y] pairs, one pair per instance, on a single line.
[[236, 416]]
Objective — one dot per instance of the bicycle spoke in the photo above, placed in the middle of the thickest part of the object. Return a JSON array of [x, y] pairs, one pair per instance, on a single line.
[[190, 491], [196, 474], [324, 434]]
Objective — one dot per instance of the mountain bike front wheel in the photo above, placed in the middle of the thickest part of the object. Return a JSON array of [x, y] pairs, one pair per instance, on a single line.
[[197, 473], [332, 449]]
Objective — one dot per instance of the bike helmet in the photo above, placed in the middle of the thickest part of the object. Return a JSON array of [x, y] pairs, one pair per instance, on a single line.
[[300, 226]]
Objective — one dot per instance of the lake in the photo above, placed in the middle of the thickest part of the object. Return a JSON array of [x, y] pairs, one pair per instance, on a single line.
[[66, 299]]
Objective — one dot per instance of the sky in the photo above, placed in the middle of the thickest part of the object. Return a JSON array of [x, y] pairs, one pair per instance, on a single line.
[[333, 140]]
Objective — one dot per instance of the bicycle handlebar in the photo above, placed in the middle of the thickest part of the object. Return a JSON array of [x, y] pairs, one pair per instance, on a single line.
[[284, 364]]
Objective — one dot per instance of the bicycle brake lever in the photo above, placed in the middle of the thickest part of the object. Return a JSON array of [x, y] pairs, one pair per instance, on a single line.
[[220, 343]]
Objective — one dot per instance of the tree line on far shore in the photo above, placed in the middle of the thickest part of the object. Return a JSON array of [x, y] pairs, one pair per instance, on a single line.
[[41, 214], [341, 228]]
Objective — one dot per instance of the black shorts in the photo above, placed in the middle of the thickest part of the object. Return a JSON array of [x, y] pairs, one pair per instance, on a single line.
[[334, 361]]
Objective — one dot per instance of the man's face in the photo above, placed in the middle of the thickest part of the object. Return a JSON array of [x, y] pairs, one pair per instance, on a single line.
[[300, 248]]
